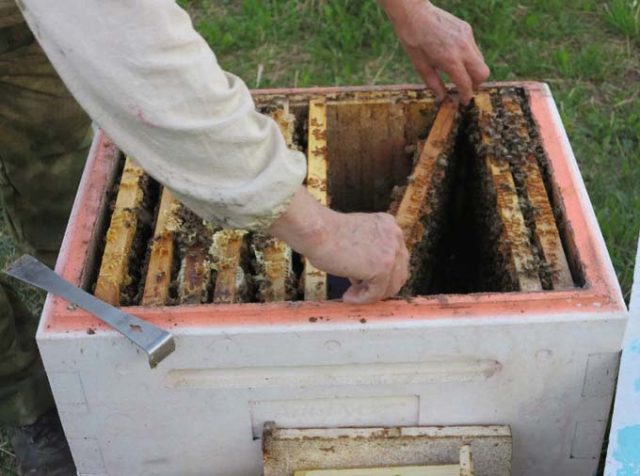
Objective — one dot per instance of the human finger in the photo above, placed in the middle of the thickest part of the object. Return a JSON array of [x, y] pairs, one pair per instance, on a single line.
[[400, 272], [478, 72], [432, 79], [458, 74], [475, 47], [401, 265], [366, 292]]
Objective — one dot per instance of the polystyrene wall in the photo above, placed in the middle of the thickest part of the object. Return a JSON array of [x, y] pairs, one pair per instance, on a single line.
[[543, 363]]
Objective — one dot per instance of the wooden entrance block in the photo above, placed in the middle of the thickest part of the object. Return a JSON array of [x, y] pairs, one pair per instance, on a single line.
[[410, 451], [464, 468], [435, 470]]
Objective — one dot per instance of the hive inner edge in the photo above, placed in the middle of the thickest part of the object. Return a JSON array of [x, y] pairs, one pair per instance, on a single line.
[[469, 186]]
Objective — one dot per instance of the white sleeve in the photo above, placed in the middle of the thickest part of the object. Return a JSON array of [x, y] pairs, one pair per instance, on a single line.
[[151, 82]]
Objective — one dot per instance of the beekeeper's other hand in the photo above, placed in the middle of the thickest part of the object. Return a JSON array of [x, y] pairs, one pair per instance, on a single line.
[[437, 41], [367, 248]]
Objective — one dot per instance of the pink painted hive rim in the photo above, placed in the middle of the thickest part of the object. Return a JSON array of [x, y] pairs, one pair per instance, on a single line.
[[601, 293]]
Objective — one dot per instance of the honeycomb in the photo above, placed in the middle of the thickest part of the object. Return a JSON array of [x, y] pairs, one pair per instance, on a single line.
[[469, 186]]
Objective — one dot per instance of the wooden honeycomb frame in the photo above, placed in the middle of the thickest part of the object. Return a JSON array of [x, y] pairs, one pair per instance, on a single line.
[[572, 248], [220, 267], [225, 257]]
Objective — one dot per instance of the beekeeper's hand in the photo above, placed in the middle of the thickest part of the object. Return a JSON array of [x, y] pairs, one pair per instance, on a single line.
[[437, 41], [367, 248]]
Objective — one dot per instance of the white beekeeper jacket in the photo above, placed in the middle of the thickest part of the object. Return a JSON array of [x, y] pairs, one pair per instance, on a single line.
[[151, 82]]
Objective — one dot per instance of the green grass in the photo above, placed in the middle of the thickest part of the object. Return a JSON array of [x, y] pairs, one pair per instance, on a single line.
[[624, 16], [7, 252], [589, 52], [7, 458]]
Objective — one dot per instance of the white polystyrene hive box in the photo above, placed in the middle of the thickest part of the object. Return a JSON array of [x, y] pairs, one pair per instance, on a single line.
[[543, 363]]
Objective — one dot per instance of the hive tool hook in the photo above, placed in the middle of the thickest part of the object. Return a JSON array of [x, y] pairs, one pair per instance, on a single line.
[[157, 343]]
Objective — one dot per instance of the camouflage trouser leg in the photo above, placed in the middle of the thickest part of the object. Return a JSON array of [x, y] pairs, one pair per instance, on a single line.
[[44, 139]]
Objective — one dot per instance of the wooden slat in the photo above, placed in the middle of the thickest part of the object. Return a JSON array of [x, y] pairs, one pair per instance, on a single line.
[[545, 232], [114, 275], [287, 123], [227, 250], [366, 142], [315, 281], [194, 275], [317, 151], [274, 259], [514, 241], [274, 269], [342, 143], [414, 204], [419, 116], [193, 237], [158, 280]]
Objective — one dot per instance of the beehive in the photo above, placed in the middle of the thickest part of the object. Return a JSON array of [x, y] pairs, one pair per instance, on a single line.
[[512, 315], [469, 187]]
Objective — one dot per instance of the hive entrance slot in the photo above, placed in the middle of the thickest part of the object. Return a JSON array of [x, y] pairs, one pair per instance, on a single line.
[[467, 186]]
